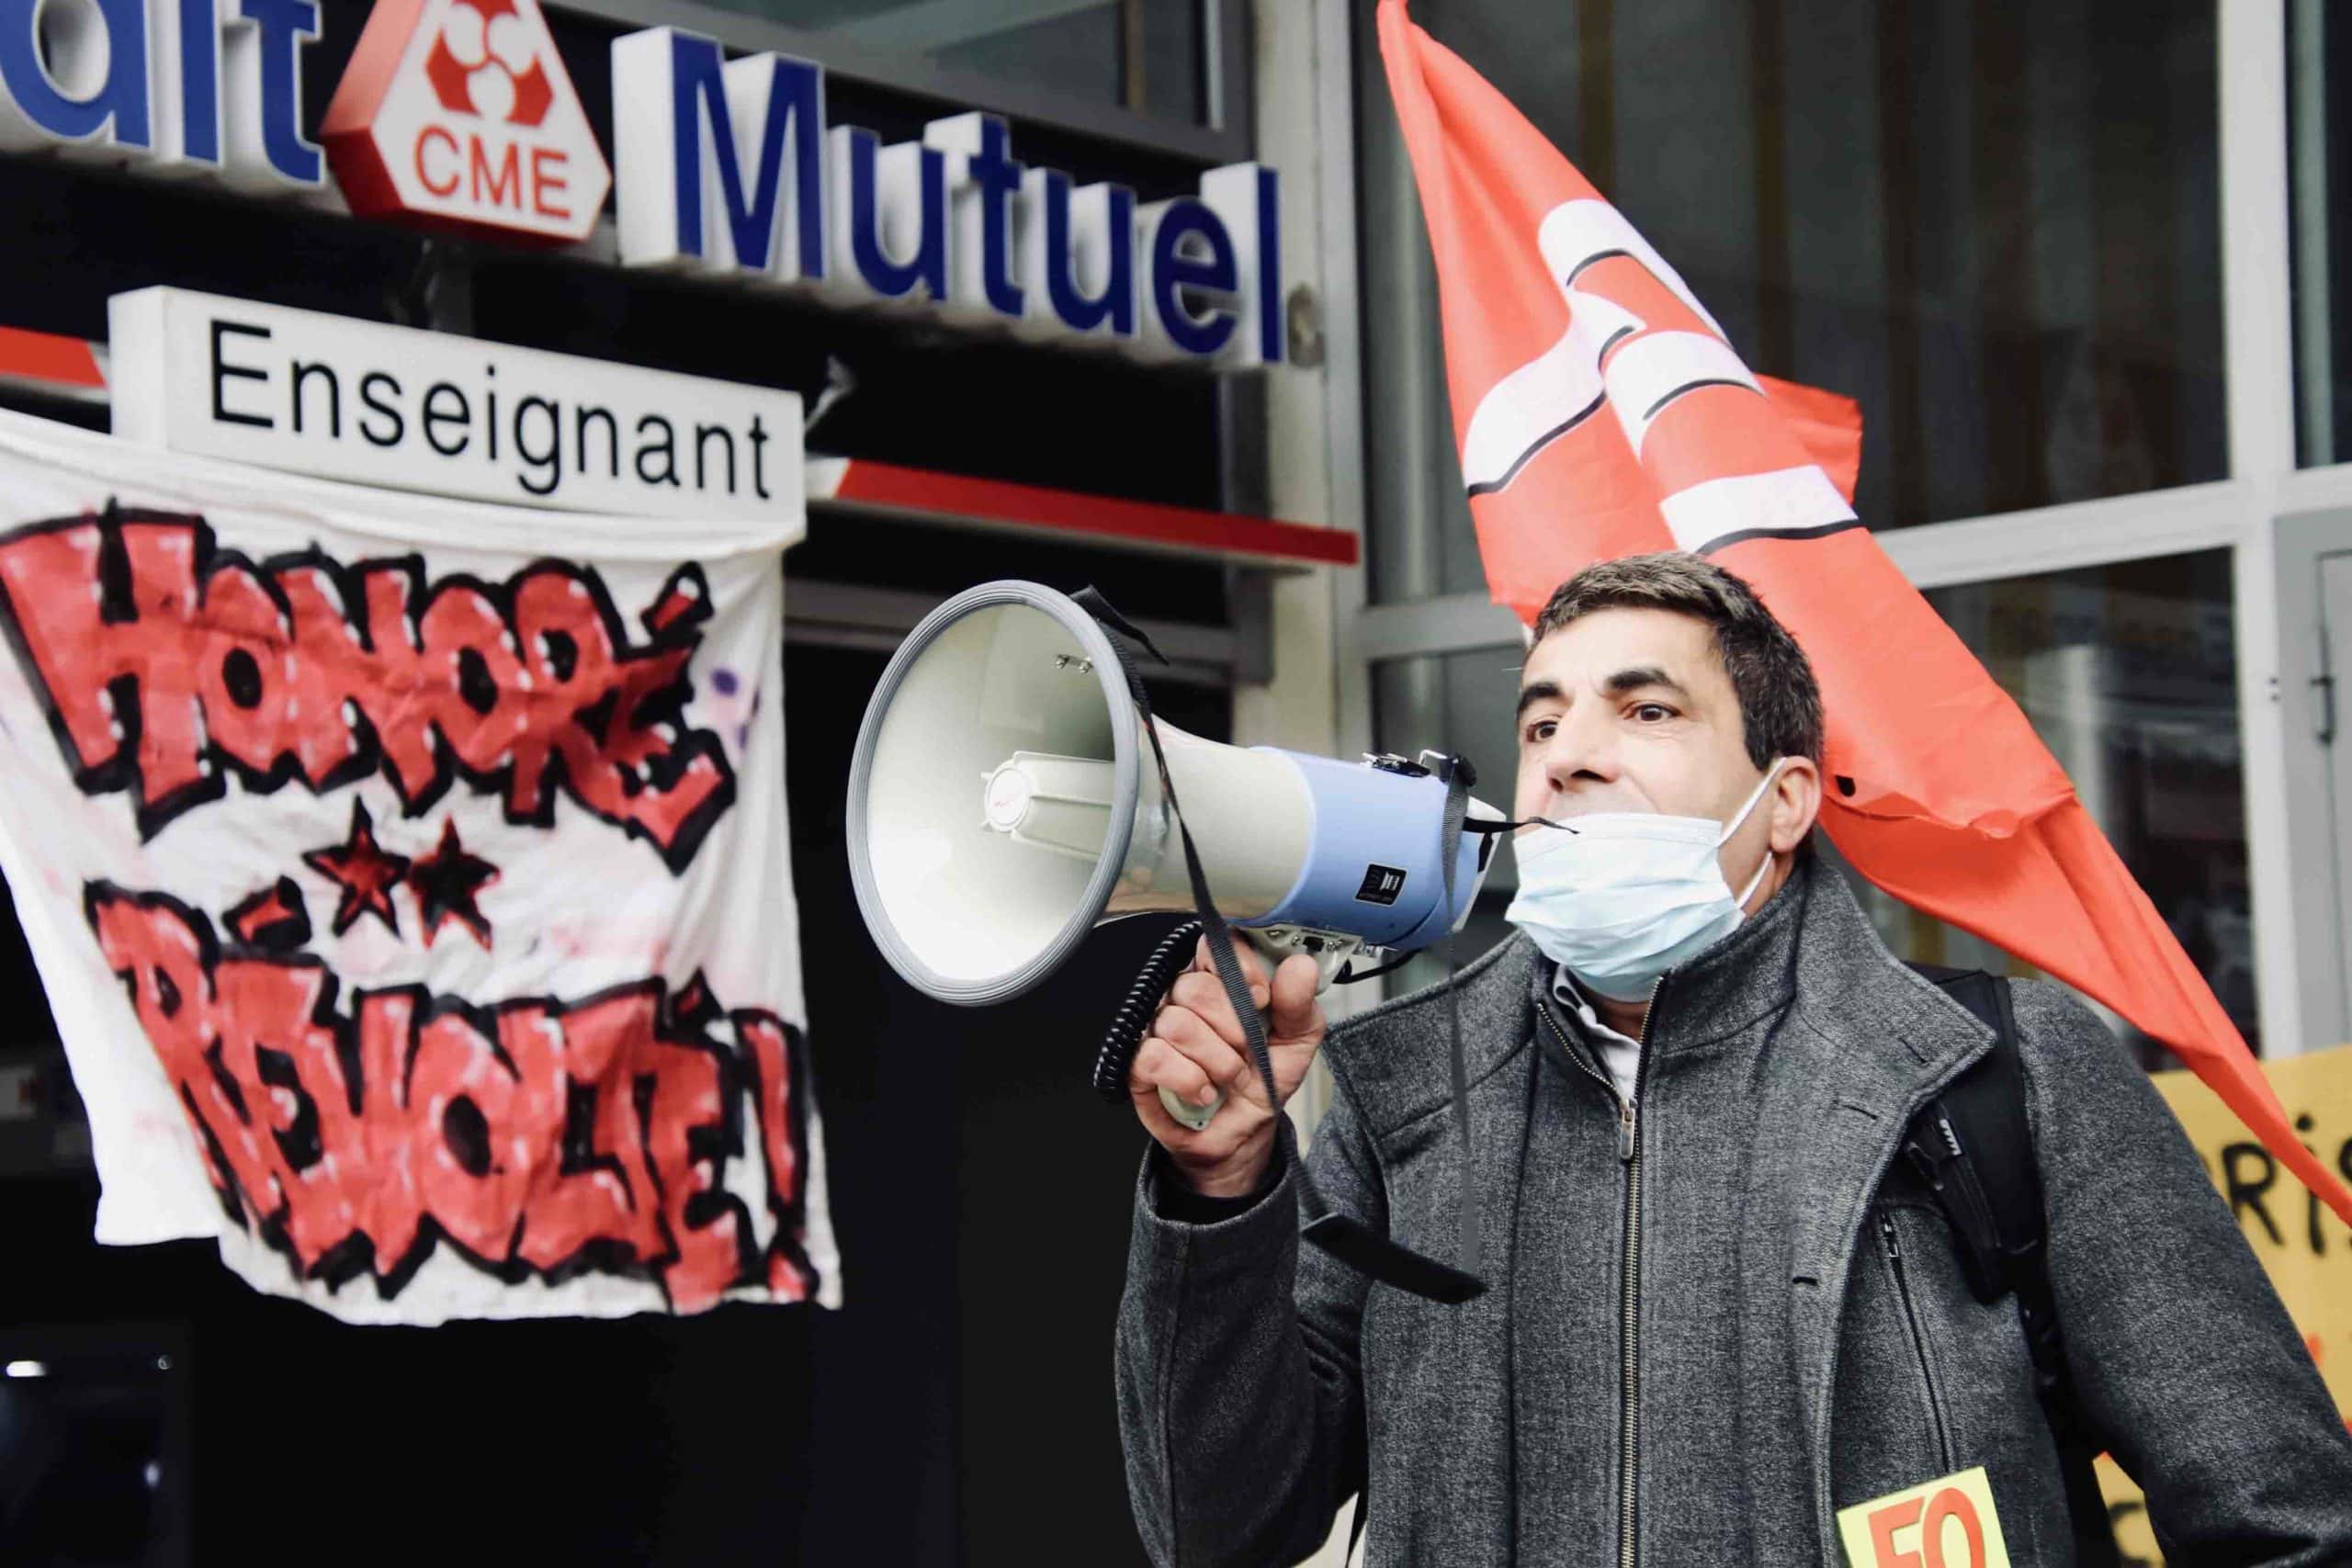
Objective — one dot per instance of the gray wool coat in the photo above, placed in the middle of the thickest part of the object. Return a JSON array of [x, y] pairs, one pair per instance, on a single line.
[[1699, 1354]]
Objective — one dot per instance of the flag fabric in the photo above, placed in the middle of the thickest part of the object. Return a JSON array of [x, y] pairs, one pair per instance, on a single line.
[[410, 884], [1601, 413]]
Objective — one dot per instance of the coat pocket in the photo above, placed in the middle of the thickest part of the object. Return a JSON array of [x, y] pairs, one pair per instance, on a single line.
[[1932, 1381], [1891, 1427], [1891, 1249]]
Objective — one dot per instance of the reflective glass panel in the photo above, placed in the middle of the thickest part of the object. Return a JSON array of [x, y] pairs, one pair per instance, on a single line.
[[1140, 54], [2319, 59]]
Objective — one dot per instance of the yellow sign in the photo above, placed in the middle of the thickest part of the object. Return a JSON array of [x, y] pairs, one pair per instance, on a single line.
[[1948, 1523], [2306, 1249]]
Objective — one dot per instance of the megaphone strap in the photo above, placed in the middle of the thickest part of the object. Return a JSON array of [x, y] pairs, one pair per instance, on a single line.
[[1344, 1237], [1457, 809]]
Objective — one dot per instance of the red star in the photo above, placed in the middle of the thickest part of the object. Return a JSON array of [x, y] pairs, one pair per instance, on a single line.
[[447, 880], [366, 873]]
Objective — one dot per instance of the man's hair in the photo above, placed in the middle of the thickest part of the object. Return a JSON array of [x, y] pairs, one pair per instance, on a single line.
[[1779, 700]]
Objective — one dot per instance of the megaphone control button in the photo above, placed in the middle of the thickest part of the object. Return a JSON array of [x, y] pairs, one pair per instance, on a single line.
[[1008, 790]]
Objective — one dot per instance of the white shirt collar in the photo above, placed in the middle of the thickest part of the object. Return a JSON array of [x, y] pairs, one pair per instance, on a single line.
[[1568, 994]]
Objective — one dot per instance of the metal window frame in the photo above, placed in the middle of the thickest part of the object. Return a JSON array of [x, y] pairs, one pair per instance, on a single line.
[[1224, 46], [2244, 513]]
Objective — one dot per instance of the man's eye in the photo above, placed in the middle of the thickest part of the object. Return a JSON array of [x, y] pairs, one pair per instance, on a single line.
[[1541, 731], [1652, 712]]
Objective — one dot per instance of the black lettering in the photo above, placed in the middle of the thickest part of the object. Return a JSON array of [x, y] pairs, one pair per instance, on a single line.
[[302, 373], [759, 457], [579, 418], [490, 420], [550, 459], [367, 397], [668, 448], [222, 371], [435, 416], [703, 433], [2303, 1123], [2247, 1194]]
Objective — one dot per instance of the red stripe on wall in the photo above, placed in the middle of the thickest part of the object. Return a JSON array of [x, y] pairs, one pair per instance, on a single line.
[[957, 497], [45, 356]]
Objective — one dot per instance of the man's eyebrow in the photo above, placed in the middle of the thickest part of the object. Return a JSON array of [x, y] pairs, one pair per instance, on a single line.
[[1536, 691], [1639, 678]]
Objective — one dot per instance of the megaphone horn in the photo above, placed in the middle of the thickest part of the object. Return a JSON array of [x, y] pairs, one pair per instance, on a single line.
[[1003, 803]]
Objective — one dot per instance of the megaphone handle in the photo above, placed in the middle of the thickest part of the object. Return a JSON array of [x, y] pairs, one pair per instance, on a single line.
[[1330, 950], [1191, 1113]]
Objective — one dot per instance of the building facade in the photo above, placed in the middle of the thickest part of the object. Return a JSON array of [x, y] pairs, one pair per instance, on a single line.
[[2076, 261]]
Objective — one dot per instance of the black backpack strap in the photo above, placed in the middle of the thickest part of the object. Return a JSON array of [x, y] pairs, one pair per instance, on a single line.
[[1974, 1146]]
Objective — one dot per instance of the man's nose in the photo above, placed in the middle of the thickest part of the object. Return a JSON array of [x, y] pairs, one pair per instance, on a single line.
[[1582, 751]]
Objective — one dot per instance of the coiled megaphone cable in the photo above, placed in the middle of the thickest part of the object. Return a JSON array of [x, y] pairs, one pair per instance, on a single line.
[[1133, 1021], [1116, 1059]]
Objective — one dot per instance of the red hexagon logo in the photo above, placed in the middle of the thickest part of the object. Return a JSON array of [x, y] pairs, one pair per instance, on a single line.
[[459, 113]]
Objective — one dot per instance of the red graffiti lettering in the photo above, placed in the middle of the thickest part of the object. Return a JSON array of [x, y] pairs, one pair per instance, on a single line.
[[166, 663], [538, 1138]]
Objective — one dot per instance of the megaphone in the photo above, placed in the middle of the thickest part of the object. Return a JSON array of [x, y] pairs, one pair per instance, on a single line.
[[1003, 802]]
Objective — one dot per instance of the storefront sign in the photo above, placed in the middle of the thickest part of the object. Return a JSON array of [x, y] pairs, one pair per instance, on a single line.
[[460, 112], [326, 395], [204, 86], [729, 167], [409, 878]]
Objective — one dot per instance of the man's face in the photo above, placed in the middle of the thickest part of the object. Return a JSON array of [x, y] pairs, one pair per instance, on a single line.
[[1632, 710]]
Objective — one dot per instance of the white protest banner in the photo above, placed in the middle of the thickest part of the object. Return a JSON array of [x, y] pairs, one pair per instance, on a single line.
[[411, 882]]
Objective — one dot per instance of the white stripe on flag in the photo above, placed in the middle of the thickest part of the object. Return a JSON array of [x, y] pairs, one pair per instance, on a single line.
[[1646, 375], [1529, 408], [1787, 501], [1575, 234]]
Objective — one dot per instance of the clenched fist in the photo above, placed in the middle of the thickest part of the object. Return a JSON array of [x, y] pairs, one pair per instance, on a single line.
[[1196, 1048]]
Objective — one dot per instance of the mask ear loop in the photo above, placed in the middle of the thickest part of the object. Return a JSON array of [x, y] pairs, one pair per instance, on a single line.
[[1738, 822]]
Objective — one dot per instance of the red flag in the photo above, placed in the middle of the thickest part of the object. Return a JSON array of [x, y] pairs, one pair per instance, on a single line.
[[1601, 413]]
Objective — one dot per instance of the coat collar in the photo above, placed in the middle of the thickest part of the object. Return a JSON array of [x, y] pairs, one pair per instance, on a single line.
[[1895, 1033], [1393, 1060], [1744, 978]]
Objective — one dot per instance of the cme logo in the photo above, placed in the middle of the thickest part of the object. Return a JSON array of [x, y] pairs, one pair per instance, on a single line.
[[459, 113], [485, 62]]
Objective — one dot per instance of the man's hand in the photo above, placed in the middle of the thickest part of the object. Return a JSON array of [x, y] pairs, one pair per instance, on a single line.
[[1196, 1048]]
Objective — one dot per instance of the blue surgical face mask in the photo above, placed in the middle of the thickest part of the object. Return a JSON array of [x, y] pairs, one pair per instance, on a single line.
[[1619, 898]]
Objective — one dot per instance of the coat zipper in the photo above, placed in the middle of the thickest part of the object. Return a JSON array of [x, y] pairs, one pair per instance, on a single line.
[[1629, 1153], [1629, 1371], [1918, 1337]]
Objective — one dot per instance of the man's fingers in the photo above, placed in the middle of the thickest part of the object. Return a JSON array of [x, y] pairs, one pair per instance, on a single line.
[[1253, 969], [1158, 1066], [1201, 994], [1191, 1033], [1295, 1014]]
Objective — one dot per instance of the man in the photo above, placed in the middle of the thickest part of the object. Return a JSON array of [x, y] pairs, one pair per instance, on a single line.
[[1720, 1307]]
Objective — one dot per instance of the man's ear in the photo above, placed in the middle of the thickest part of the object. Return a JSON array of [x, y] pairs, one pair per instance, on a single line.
[[1795, 802]]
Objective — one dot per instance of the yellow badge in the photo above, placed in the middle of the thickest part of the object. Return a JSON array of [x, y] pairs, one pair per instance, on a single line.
[[1948, 1523]]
